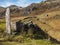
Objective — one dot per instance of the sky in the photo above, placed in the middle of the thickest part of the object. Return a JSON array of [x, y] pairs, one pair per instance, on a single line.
[[23, 3]]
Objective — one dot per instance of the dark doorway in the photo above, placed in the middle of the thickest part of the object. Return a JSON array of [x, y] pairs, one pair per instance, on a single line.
[[19, 26]]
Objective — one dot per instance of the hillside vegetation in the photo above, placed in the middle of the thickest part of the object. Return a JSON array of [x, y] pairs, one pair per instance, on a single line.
[[45, 29], [33, 9]]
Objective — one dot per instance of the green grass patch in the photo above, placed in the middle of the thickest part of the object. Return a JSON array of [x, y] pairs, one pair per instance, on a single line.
[[32, 42], [2, 26]]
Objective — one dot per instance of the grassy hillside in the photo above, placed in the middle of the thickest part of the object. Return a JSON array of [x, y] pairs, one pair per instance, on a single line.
[[45, 16]]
